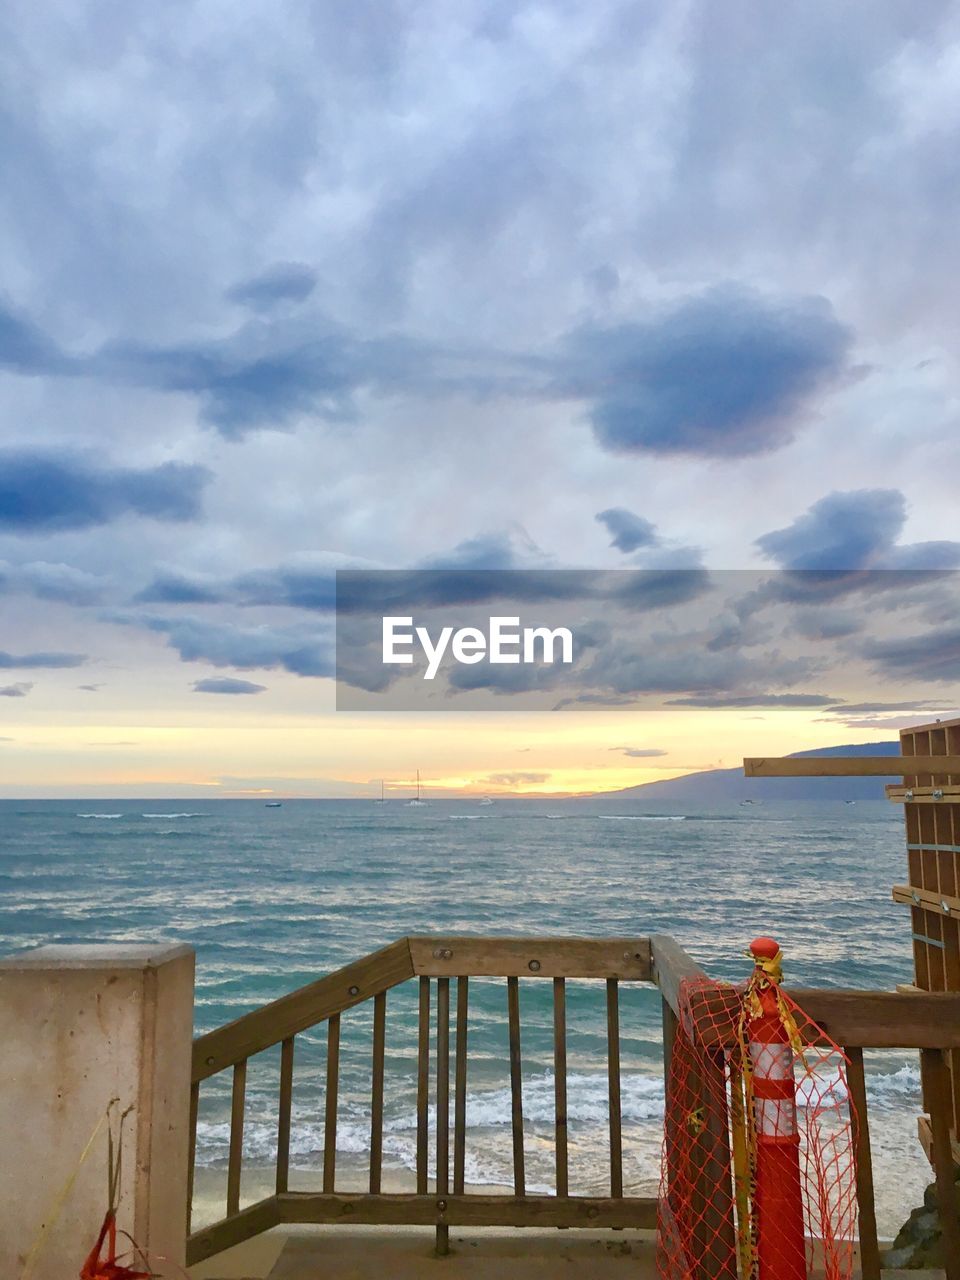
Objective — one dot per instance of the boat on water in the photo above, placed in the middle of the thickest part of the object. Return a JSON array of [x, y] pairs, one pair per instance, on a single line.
[[417, 803], [383, 799], [485, 800], [273, 804]]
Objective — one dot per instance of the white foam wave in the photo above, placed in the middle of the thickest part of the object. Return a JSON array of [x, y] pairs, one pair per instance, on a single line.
[[642, 817], [173, 815], [895, 1085], [587, 1106]]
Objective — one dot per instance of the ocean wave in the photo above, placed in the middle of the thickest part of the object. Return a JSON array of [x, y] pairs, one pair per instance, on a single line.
[[895, 1085], [98, 815], [489, 1113], [173, 815], [642, 817], [587, 1106]]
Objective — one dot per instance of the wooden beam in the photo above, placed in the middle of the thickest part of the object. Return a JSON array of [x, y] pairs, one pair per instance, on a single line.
[[943, 904], [936, 1076], [870, 1019], [923, 795], [304, 1008], [532, 957], [230, 1231], [468, 1210], [848, 766], [669, 966], [925, 1136]]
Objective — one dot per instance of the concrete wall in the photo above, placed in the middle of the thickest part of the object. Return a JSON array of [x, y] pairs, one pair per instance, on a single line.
[[80, 1026]]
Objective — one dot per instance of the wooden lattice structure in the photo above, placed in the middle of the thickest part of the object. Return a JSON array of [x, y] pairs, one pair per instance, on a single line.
[[931, 806]]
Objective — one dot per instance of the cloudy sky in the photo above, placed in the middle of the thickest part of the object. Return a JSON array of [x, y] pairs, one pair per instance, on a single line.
[[298, 286]]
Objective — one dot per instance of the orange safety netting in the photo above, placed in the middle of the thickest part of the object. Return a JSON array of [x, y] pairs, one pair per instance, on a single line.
[[759, 1172]]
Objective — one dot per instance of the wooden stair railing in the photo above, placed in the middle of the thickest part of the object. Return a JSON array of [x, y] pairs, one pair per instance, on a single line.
[[433, 961]]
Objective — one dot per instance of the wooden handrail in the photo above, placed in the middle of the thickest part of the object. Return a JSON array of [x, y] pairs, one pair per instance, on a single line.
[[284, 1018], [868, 1019], [531, 957]]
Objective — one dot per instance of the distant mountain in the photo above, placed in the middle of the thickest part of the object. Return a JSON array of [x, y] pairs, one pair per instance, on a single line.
[[730, 784]]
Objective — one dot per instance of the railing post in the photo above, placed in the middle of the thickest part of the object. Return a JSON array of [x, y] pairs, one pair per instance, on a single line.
[[81, 1026]]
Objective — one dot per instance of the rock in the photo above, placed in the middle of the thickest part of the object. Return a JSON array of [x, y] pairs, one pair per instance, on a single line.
[[919, 1241]]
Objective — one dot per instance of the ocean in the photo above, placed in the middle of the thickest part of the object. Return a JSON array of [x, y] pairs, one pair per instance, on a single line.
[[274, 898]]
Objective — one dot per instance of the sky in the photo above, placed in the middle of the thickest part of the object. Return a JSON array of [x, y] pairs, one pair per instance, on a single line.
[[294, 287]]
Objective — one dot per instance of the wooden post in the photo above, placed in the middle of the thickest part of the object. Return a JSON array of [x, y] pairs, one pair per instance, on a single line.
[[940, 1101], [867, 1214], [283, 1119], [516, 1085], [443, 1110]]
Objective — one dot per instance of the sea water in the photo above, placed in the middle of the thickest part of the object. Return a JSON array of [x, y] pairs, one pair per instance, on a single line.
[[274, 898]]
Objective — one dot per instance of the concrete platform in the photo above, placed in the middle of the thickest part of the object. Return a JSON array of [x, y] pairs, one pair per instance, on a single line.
[[318, 1253], [408, 1254]]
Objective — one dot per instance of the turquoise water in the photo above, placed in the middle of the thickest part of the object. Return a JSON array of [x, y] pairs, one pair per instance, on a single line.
[[273, 898]]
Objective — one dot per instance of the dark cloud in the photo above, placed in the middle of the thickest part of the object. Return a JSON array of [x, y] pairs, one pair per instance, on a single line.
[[15, 690], [172, 588], [60, 582], [842, 531], [934, 655], [683, 665], [753, 700], [639, 753], [290, 587], [376, 592], [876, 708], [597, 700], [487, 551], [647, 589], [298, 651], [723, 374], [283, 282], [826, 623], [25, 349], [628, 531], [228, 685], [924, 556], [46, 492], [848, 532], [256, 379], [38, 661]]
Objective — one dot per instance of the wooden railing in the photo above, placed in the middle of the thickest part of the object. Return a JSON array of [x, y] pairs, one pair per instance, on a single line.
[[856, 1020], [433, 962]]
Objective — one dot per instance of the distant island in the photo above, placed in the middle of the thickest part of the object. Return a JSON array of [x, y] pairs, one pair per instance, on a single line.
[[730, 784]]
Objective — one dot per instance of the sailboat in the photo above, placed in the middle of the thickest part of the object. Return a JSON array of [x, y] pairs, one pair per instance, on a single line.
[[485, 800], [382, 799], [418, 803]]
